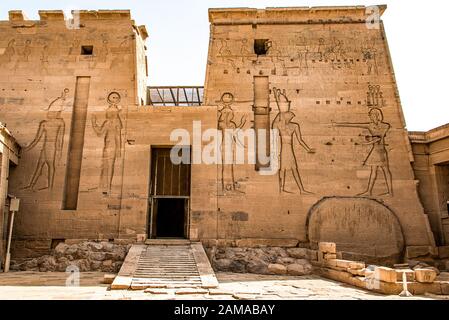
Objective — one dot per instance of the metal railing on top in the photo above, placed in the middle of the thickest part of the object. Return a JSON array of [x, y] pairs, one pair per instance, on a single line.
[[175, 96]]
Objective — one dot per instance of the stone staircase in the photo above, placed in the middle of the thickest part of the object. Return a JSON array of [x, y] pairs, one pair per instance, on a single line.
[[165, 264]]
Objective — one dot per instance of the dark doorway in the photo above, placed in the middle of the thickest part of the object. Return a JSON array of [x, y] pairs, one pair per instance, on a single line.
[[170, 216], [169, 195]]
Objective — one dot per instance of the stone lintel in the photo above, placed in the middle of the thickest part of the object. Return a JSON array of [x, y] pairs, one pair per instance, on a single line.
[[291, 15]]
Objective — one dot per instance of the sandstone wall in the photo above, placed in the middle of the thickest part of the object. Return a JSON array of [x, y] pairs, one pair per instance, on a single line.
[[338, 79], [325, 82], [54, 92], [431, 167]]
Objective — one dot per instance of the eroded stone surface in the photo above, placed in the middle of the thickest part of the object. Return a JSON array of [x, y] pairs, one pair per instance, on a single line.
[[86, 256]]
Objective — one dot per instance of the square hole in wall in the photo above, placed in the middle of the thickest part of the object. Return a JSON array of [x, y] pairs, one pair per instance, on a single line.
[[259, 46], [87, 50]]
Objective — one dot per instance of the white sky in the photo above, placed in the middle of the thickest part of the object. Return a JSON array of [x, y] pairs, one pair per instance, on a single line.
[[179, 39]]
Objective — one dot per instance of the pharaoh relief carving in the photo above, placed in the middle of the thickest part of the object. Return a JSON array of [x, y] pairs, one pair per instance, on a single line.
[[229, 126], [50, 135], [111, 132], [289, 131], [377, 157], [9, 53]]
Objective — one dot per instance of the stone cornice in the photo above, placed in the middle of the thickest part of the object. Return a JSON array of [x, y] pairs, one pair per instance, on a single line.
[[291, 15], [429, 136], [45, 15]]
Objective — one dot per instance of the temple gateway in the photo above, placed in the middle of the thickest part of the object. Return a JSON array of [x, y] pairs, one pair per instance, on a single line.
[[296, 139]]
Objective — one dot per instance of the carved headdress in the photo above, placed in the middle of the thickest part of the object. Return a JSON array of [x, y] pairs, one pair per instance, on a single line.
[[282, 101], [60, 103]]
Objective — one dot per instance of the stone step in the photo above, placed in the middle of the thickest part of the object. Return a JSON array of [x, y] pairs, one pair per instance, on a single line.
[[167, 242], [171, 263]]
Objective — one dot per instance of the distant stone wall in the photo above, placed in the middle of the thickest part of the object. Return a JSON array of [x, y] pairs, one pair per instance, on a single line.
[[87, 256]]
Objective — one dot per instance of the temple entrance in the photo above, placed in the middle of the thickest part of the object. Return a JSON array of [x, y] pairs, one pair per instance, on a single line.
[[169, 196]]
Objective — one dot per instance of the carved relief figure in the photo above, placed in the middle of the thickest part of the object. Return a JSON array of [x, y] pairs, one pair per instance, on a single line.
[[103, 52], [9, 52], [75, 47], [44, 58], [288, 132], [111, 131], [245, 52], [51, 132], [26, 51], [228, 127], [375, 97], [369, 54], [377, 157], [276, 56], [225, 53]]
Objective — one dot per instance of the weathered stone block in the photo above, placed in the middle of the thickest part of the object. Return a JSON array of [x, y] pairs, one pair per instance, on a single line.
[[343, 263], [385, 274], [329, 256], [109, 278], [327, 247], [301, 267], [278, 269], [410, 275], [357, 272], [297, 253], [330, 262], [425, 275], [417, 251], [257, 266], [286, 260], [443, 252], [97, 256], [356, 265]]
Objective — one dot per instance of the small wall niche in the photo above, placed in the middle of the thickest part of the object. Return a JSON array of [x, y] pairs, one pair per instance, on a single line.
[[259, 47], [87, 50]]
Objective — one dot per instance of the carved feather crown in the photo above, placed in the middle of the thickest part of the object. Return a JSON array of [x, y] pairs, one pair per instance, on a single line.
[[282, 101]]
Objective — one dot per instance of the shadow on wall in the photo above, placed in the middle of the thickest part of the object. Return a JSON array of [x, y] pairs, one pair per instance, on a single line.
[[363, 229]]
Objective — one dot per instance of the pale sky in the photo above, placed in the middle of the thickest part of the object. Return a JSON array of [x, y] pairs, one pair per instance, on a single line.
[[179, 39]]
